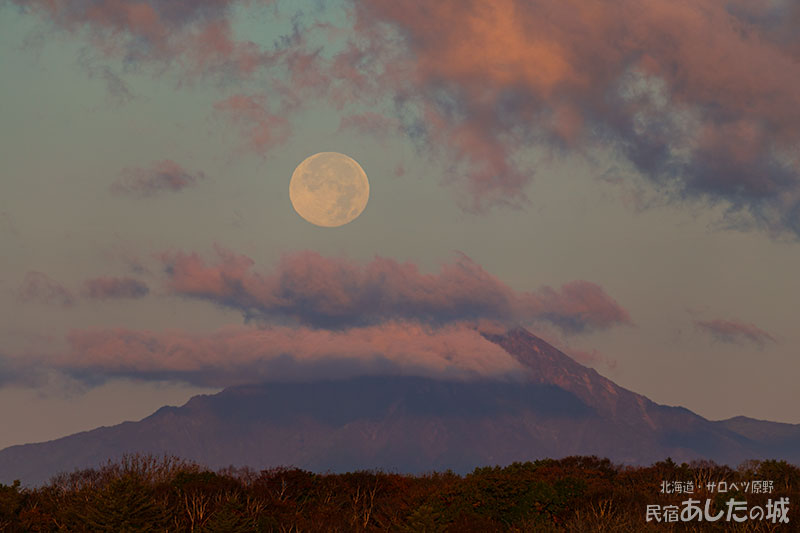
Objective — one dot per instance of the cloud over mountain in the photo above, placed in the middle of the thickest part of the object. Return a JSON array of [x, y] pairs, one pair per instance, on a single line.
[[311, 317], [241, 354]]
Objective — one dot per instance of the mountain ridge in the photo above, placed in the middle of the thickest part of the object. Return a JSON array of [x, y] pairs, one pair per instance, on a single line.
[[416, 424]]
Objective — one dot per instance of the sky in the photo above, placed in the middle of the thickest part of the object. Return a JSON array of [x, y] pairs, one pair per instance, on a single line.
[[621, 178]]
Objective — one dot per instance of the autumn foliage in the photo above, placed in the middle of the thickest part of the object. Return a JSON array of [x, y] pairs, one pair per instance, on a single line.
[[145, 493]]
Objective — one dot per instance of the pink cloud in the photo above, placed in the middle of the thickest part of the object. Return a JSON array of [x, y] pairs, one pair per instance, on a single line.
[[326, 292], [38, 287], [580, 304], [238, 354], [162, 176], [702, 98], [105, 288], [734, 331]]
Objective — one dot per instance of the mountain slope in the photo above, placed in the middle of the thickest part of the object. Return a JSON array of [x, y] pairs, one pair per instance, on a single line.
[[414, 424]]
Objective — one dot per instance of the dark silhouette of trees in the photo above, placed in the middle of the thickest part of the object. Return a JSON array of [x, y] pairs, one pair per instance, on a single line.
[[141, 493]]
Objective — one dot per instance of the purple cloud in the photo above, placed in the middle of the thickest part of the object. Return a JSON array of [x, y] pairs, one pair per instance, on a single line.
[[334, 293]]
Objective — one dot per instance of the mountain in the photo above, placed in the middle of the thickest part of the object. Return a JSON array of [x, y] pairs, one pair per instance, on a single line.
[[415, 424]]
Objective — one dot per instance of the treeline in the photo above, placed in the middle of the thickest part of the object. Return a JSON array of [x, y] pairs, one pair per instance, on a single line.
[[145, 493]]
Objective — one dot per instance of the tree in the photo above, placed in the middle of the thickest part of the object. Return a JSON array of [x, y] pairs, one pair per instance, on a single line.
[[11, 499], [125, 505]]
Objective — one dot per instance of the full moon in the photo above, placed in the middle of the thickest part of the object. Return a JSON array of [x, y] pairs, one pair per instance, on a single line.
[[329, 189]]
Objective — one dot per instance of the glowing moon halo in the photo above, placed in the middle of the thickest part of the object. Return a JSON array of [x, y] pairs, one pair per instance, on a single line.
[[329, 189]]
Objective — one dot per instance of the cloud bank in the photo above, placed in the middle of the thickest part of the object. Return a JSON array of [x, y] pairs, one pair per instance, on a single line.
[[240, 354], [321, 292], [315, 317]]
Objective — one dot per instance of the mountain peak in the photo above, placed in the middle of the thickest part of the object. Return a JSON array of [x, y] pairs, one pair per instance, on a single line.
[[547, 364]]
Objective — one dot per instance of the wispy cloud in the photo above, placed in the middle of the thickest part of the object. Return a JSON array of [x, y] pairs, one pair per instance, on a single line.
[[261, 128], [198, 33], [105, 288], [38, 287], [370, 124], [591, 358], [735, 332], [161, 176]]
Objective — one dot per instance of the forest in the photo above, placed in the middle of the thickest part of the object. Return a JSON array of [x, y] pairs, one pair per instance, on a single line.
[[149, 493]]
